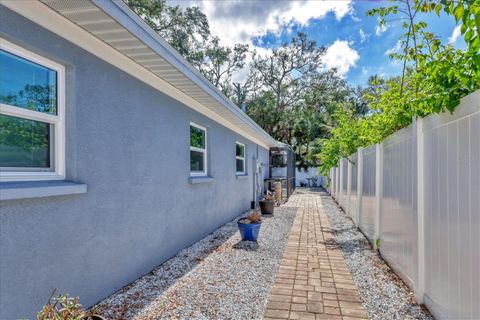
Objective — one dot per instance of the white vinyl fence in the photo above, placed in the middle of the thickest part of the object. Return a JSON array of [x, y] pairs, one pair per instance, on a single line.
[[416, 196]]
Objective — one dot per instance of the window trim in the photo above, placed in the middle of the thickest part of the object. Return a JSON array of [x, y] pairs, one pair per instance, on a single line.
[[204, 151], [58, 121], [244, 172]]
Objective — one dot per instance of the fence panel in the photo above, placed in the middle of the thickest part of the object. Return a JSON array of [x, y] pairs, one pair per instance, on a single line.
[[450, 219], [452, 211], [343, 200], [334, 181], [398, 221], [352, 205], [337, 183], [367, 212]]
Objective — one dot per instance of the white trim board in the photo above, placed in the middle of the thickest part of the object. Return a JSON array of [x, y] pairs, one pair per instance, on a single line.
[[58, 120], [44, 16]]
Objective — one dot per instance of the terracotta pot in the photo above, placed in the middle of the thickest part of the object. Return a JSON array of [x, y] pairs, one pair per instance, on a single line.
[[267, 207]]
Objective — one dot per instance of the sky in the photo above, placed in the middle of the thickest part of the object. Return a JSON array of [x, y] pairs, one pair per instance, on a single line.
[[356, 45]]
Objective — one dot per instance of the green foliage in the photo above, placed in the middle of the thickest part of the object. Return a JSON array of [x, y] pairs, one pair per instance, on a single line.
[[310, 119], [220, 62], [435, 77], [265, 113], [26, 142], [197, 137], [186, 30], [315, 111], [344, 139]]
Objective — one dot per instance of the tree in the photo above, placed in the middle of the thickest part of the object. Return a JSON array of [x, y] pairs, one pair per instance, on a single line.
[[287, 71], [442, 75], [249, 90], [186, 30], [309, 120], [435, 76], [220, 62], [264, 112]]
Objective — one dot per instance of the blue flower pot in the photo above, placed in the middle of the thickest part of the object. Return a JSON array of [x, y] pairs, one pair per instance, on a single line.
[[249, 232]]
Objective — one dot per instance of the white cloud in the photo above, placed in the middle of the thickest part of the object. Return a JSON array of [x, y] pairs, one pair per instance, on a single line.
[[381, 28], [237, 21], [240, 21], [341, 56], [363, 36], [455, 35], [395, 49]]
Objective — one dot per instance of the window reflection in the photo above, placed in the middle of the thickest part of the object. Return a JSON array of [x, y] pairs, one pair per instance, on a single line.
[[196, 161], [197, 137], [24, 143], [26, 84]]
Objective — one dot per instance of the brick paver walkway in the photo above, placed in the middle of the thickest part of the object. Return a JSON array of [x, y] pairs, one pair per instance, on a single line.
[[313, 281]]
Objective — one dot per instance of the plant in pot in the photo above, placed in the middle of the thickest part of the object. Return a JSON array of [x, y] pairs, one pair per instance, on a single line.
[[267, 204], [64, 307], [250, 226]]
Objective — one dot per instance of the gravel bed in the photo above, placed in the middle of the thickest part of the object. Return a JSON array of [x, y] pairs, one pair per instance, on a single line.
[[384, 295], [219, 277]]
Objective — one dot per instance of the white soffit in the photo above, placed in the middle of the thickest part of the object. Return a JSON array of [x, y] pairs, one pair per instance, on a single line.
[[112, 22]]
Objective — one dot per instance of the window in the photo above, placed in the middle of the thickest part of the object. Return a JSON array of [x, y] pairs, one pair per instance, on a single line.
[[198, 150], [240, 157], [31, 116]]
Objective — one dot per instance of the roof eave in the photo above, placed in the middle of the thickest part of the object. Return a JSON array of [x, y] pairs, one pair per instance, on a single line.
[[119, 11]]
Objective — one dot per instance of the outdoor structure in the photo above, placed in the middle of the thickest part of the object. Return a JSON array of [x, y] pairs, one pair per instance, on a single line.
[[282, 168], [416, 196], [115, 153]]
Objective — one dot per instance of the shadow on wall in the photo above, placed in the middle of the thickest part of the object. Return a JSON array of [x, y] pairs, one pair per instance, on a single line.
[[130, 301]]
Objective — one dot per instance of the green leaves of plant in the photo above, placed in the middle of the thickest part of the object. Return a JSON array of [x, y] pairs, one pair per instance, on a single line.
[[458, 12], [436, 76]]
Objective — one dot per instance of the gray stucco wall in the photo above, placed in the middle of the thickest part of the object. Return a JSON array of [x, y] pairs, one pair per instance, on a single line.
[[130, 144]]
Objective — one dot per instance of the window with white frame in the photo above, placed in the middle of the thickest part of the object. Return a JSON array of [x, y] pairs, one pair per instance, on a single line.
[[31, 116], [240, 157], [198, 150]]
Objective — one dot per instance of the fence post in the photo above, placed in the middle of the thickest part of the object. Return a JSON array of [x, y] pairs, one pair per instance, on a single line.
[[420, 290], [378, 192], [349, 186], [359, 185], [334, 181], [340, 184]]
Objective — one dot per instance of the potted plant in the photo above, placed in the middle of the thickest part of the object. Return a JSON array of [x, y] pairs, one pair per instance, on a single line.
[[63, 307], [250, 226], [267, 204]]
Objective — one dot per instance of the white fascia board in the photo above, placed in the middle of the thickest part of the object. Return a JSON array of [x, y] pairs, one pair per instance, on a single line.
[[46, 17]]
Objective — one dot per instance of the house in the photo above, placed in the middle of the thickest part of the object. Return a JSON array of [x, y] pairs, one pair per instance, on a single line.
[[115, 153]]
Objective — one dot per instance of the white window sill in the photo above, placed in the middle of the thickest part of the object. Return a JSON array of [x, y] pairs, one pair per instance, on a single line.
[[200, 179], [242, 176], [39, 189]]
